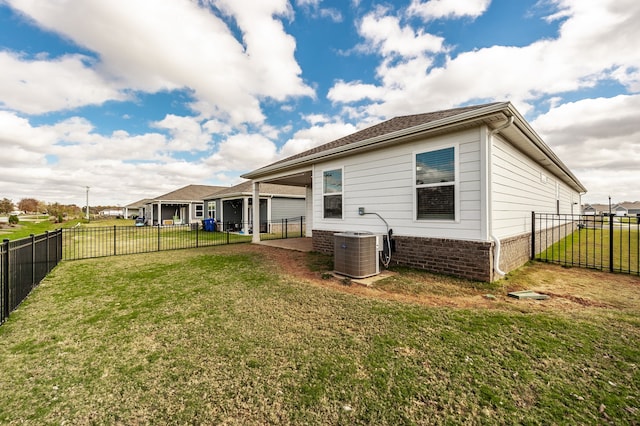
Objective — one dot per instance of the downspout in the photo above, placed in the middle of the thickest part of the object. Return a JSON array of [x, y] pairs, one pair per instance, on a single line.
[[496, 252]]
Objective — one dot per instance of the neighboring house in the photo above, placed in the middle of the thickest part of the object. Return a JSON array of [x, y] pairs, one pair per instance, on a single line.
[[179, 207], [595, 209], [232, 207], [626, 209], [111, 212], [136, 209], [457, 187]]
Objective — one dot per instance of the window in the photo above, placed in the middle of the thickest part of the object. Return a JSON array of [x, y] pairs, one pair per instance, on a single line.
[[211, 207], [435, 173], [332, 194], [199, 210]]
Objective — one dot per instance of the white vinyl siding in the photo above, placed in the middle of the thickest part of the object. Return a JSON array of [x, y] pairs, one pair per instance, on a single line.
[[383, 182], [287, 208], [519, 186]]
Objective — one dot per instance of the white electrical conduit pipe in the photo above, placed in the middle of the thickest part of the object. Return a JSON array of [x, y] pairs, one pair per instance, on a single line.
[[496, 252]]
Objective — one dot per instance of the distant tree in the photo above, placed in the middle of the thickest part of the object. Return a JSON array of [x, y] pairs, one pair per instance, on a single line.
[[28, 205], [42, 207], [6, 205], [61, 211], [56, 210]]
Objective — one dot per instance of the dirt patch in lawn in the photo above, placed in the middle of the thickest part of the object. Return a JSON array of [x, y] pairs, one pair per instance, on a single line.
[[569, 288]]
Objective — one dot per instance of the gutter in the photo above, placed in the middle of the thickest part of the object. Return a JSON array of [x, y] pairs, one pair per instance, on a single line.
[[496, 252]]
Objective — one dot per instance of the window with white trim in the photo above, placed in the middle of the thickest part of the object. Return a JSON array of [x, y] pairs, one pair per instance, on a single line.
[[332, 194], [211, 207], [435, 184], [199, 210]]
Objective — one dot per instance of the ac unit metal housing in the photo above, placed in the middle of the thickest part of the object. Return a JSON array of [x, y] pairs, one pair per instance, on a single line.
[[355, 254]]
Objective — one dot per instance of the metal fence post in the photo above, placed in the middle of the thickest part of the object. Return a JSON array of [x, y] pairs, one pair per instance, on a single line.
[[533, 235], [5, 279], [158, 237], [611, 242], [33, 260], [59, 246], [46, 233], [114, 240]]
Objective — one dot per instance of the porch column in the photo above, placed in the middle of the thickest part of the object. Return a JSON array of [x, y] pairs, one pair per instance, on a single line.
[[308, 199], [256, 213]]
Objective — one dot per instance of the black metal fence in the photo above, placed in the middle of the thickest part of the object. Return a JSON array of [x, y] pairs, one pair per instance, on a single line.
[[604, 242], [23, 264], [89, 242]]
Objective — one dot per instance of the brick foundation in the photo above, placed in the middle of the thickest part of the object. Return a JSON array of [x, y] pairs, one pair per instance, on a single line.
[[466, 259], [515, 252]]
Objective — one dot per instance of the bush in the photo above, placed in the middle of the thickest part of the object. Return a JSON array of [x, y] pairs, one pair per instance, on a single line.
[[13, 219]]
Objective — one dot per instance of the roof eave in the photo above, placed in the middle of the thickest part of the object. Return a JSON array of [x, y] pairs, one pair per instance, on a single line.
[[453, 121]]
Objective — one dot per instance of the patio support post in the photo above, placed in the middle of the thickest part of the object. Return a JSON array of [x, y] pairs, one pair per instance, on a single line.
[[256, 213]]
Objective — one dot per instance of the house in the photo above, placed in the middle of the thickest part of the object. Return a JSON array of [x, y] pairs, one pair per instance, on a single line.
[[456, 187], [179, 207], [233, 206], [595, 209], [136, 209], [626, 208], [113, 212]]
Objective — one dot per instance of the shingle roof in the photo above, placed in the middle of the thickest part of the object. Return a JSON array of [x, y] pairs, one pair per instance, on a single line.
[[386, 127], [630, 205], [265, 188], [191, 193], [138, 204]]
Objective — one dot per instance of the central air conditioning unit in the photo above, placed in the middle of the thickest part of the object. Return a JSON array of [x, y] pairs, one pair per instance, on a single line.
[[356, 254]]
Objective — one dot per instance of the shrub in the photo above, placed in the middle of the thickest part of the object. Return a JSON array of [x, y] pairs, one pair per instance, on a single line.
[[13, 219]]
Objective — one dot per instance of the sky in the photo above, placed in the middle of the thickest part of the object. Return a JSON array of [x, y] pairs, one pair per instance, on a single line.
[[137, 98]]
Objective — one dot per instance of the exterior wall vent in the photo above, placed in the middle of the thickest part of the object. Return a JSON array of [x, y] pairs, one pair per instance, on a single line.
[[356, 254]]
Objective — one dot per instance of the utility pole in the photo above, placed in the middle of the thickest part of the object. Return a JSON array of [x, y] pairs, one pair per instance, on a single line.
[[87, 206]]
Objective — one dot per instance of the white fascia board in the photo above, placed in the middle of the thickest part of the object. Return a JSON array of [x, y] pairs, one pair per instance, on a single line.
[[455, 120]]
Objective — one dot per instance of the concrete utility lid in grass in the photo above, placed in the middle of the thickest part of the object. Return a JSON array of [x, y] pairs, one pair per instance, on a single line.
[[528, 294]]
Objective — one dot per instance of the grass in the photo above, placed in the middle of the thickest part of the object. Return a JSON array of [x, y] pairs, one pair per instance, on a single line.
[[223, 335], [590, 248], [39, 224], [97, 241]]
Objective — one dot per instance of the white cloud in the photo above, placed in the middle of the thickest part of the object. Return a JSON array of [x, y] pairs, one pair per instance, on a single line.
[[242, 152], [591, 39], [37, 86], [599, 139], [55, 162], [154, 45], [186, 133], [384, 35], [313, 7], [315, 135], [438, 9], [354, 91]]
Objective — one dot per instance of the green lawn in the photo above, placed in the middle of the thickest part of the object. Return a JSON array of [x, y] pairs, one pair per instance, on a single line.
[[590, 248], [39, 224], [222, 336]]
